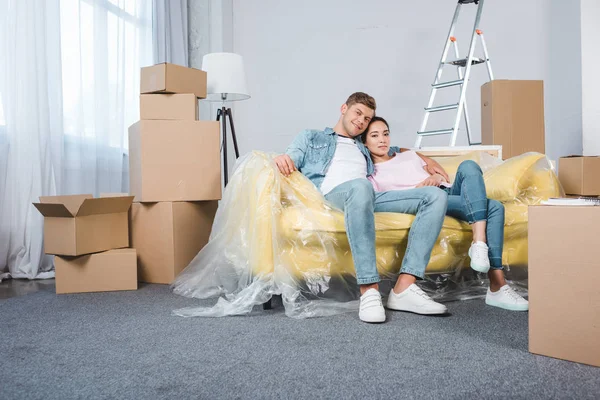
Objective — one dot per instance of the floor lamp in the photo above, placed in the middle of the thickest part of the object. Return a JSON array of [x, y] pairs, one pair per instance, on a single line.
[[226, 82]]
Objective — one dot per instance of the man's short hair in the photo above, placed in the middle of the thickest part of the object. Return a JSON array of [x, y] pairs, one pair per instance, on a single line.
[[361, 98]]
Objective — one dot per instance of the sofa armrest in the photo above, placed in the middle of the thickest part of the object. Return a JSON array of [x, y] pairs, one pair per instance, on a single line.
[[526, 179]]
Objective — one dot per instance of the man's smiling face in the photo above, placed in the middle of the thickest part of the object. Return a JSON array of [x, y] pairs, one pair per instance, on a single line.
[[355, 118]]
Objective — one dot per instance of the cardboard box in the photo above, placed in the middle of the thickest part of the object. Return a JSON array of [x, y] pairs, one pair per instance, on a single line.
[[80, 224], [169, 106], [580, 175], [512, 115], [168, 235], [100, 272], [172, 78], [564, 297], [174, 161]]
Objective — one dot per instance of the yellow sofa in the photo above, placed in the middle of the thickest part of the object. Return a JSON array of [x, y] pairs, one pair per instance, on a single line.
[[292, 226]]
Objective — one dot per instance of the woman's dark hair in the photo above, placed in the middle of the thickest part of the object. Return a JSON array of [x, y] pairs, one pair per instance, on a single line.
[[363, 136]]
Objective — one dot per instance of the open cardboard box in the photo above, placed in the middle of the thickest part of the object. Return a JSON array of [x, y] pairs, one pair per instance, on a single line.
[[80, 224]]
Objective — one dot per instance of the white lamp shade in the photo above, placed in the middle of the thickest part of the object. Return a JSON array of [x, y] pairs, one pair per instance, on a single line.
[[226, 76]]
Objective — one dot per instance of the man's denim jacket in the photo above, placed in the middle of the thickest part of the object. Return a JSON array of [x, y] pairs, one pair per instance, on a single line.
[[312, 151]]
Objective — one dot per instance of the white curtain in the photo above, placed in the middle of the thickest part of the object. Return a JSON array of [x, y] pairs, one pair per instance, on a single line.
[[69, 89], [170, 31]]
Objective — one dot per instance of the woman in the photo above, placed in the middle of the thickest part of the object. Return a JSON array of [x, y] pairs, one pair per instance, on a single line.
[[467, 201]]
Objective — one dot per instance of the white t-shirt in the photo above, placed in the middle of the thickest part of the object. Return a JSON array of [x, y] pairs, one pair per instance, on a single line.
[[348, 163]]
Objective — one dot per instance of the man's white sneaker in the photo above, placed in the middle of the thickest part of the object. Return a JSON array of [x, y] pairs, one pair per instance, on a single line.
[[480, 259], [371, 308], [506, 298], [414, 299]]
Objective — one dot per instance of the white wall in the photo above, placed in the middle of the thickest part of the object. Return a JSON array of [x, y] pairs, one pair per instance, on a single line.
[[304, 58], [563, 77], [210, 30], [590, 50]]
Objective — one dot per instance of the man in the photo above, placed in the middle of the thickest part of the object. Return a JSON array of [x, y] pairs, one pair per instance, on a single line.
[[338, 163]]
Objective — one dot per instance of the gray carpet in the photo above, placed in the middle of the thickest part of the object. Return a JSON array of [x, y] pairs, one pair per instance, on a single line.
[[128, 345]]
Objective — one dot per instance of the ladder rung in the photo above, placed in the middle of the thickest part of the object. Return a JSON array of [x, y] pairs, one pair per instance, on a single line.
[[438, 132], [463, 61], [442, 108], [447, 84]]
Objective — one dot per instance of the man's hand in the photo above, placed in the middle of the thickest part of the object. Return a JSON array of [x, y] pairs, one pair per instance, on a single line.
[[285, 164], [434, 168], [433, 180]]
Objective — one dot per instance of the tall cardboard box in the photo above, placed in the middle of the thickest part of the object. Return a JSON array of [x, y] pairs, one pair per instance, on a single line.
[[100, 272], [580, 175], [174, 160], [169, 106], [173, 78], [564, 296], [512, 115], [80, 224], [168, 235]]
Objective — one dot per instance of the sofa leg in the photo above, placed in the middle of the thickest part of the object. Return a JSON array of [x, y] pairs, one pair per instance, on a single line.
[[267, 305]]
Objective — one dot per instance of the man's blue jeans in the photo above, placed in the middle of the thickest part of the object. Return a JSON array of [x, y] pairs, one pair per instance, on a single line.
[[359, 201], [467, 201]]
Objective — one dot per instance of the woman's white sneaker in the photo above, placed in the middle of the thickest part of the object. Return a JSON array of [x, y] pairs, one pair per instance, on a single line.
[[507, 299], [371, 307], [414, 299], [480, 259]]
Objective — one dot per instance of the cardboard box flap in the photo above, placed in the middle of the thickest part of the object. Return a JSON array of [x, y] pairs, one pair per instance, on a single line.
[[105, 205], [53, 210], [71, 202], [116, 194], [579, 156]]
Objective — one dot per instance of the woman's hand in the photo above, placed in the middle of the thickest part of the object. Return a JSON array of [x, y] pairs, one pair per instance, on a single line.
[[433, 180]]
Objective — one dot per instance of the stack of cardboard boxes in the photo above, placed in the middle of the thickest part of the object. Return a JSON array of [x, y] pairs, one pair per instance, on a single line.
[[174, 172], [84, 234], [564, 300]]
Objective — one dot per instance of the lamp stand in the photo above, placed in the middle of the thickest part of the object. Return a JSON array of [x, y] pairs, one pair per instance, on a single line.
[[226, 114]]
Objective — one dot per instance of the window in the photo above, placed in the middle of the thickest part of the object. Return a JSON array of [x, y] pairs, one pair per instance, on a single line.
[[104, 43]]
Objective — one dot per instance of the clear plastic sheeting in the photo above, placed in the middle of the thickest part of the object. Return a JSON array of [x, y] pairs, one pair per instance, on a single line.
[[276, 235]]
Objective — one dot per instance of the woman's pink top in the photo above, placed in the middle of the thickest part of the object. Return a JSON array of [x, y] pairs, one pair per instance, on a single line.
[[404, 171]]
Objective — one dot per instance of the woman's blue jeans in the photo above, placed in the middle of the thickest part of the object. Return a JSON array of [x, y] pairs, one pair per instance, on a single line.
[[467, 201]]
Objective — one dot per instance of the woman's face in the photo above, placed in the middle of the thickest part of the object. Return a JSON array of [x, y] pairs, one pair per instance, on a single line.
[[378, 138]]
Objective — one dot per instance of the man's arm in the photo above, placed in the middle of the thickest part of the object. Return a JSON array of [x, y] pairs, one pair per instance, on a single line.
[[297, 149], [433, 167], [294, 155]]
